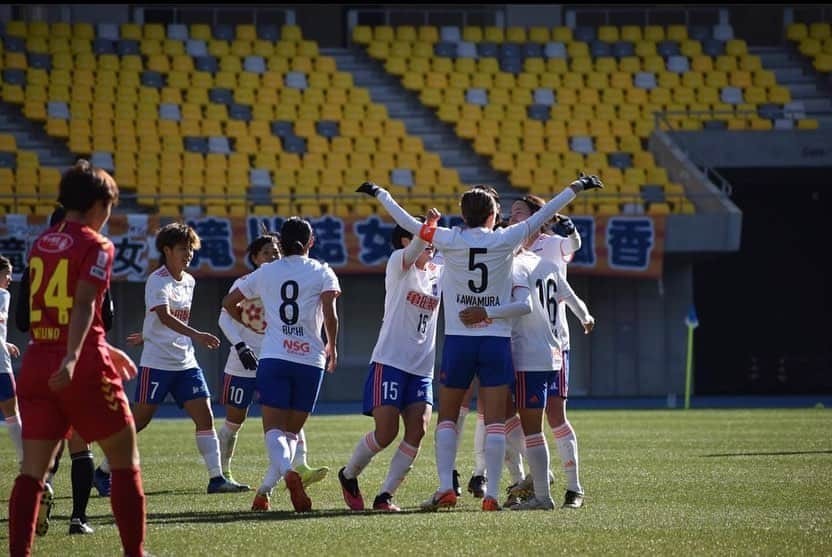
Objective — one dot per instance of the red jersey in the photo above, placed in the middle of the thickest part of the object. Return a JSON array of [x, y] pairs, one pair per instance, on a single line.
[[60, 257]]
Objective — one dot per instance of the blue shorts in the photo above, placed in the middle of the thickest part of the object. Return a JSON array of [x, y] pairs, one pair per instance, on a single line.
[[560, 386], [489, 358], [7, 389], [237, 391], [288, 385], [531, 388], [153, 385], [389, 386]]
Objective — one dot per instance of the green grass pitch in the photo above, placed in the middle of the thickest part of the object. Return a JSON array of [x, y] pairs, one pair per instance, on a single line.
[[702, 482]]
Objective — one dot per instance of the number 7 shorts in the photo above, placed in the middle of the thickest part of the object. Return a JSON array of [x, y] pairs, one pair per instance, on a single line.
[[153, 385], [390, 386]]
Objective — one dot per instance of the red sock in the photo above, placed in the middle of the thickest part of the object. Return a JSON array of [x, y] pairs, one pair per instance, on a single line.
[[23, 513], [127, 500]]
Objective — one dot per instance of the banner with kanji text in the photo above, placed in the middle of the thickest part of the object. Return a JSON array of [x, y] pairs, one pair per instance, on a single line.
[[623, 245]]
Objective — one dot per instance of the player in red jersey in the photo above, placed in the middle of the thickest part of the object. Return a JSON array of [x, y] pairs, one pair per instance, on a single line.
[[70, 376]]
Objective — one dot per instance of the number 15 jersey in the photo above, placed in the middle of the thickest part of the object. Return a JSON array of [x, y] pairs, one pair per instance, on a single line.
[[291, 289]]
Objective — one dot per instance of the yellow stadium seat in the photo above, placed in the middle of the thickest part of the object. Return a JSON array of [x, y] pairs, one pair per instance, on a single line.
[[654, 33], [677, 33], [819, 30], [472, 34], [428, 33], [362, 34], [631, 33], [383, 33]]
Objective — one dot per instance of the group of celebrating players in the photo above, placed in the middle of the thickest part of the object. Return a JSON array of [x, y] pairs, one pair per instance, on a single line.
[[504, 289]]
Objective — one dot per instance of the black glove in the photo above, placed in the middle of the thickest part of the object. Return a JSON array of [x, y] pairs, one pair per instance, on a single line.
[[564, 225], [246, 355], [369, 188], [589, 182]]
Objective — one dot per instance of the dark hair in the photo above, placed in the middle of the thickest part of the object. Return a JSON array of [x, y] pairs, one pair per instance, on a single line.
[[174, 234], [83, 185], [477, 204], [259, 243], [400, 234], [58, 215], [5, 263], [535, 203], [294, 236]]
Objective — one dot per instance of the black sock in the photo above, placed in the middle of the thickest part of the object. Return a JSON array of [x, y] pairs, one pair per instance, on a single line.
[[82, 472]]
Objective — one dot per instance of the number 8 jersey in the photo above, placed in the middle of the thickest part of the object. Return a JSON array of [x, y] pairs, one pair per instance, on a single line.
[[291, 289], [60, 257]]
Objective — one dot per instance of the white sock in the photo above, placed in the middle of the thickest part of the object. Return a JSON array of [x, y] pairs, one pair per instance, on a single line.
[[537, 452], [495, 453], [568, 449], [209, 447], [105, 465], [14, 428], [228, 442], [479, 446], [514, 449], [400, 465], [446, 443], [279, 453], [292, 443], [299, 459], [364, 452], [460, 421]]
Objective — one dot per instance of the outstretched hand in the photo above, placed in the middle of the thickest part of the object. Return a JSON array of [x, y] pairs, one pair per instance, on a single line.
[[368, 188], [588, 182]]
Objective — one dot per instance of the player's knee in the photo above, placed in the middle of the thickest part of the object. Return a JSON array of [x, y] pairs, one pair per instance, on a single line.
[[386, 435]]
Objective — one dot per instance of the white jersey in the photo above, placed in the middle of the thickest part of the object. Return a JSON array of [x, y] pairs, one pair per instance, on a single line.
[[5, 358], [478, 272], [291, 292], [558, 250], [407, 340], [164, 348], [535, 345], [236, 332]]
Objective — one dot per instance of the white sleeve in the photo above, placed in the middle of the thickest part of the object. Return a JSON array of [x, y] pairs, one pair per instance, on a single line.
[[330, 282], [517, 233], [441, 236], [572, 244], [573, 302], [230, 328], [412, 252], [248, 287], [521, 305], [156, 294]]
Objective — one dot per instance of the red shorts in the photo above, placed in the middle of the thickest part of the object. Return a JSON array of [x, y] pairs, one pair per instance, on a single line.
[[94, 404]]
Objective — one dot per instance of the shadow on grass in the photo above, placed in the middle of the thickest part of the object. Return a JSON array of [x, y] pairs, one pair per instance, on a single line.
[[773, 453]]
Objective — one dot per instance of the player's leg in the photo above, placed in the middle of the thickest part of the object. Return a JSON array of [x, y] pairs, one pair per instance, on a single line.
[[565, 438], [514, 444], [476, 484], [496, 374], [8, 406], [25, 499], [383, 394], [416, 417], [308, 474], [237, 395], [127, 493], [464, 410], [82, 473], [531, 400]]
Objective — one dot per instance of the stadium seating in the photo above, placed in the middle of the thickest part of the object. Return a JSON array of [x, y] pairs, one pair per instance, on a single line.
[[813, 40], [233, 118], [544, 103], [24, 184]]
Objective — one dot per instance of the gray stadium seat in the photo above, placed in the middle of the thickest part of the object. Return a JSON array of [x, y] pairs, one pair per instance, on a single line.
[[58, 109], [783, 124], [177, 31], [476, 96], [582, 144], [103, 159], [221, 95], [196, 47], [240, 112], [545, 96], [327, 128], [723, 32], [401, 177], [450, 33], [678, 64], [169, 111], [296, 80], [620, 160], [260, 178], [219, 144], [555, 50], [731, 95], [108, 31], [254, 64], [283, 128], [539, 112], [466, 49], [645, 80]]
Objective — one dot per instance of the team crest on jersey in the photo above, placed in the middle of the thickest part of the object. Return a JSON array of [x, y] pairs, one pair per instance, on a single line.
[[55, 242], [101, 260]]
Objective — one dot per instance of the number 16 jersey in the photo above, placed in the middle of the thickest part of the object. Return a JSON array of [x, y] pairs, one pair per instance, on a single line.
[[291, 289]]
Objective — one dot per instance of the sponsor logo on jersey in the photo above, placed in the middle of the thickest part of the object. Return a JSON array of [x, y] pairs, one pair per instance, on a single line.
[[297, 347], [101, 260], [98, 273], [182, 314], [55, 242], [422, 301]]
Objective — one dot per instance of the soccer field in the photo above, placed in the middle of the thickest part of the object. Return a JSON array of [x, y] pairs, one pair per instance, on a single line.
[[703, 482]]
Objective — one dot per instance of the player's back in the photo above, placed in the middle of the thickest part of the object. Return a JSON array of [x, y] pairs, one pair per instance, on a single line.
[[478, 265], [59, 258], [534, 342], [290, 289]]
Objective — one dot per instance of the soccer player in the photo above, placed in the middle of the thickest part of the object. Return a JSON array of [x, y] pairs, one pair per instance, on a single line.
[[82, 471], [168, 363], [477, 272], [8, 397], [239, 380], [400, 378], [71, 377], [559, 248], [299, 295]]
